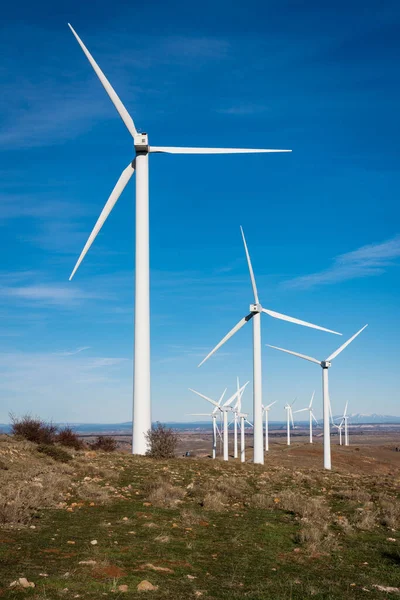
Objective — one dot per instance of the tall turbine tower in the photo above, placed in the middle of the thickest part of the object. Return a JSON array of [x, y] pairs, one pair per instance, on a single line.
[[141, 381], [255, 315]]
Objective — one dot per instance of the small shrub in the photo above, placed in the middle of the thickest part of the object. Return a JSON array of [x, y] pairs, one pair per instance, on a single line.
[[367, 518], [33, 429], [92, 492], [54, 452], [162, 442], [67, 437], [105, 443]]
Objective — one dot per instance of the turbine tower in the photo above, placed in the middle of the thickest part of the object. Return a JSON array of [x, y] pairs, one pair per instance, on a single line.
[[255, 315], [325, 364], [311, 415], [289, 417], [266, 410], [140, 164], [346, 426]]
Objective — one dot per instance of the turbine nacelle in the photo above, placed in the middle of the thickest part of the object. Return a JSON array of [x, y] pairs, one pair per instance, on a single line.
[[325, 364], [141, 142]]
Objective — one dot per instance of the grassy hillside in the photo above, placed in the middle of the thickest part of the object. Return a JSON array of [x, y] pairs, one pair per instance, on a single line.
[[101, 524]]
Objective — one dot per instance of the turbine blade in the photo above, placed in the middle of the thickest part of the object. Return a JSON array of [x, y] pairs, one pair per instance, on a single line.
[[312, 414], [345, 409], [186, 150], [198, 414], [312, 398], [115, 194], [251, 424], [314, 360], [228, 335], [301, 410], [269, 405], [343, 346], [253, 280], [123, 113], [227, 403], [205, 397], [291, 416], [222, 396], [277, 315]]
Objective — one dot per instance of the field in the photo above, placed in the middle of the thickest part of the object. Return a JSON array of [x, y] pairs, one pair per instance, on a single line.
[[101, 524]]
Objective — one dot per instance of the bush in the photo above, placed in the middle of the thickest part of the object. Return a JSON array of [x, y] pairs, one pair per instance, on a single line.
[[105, 443], [54, 452], [162, 441], [67, 437], [33, 429]]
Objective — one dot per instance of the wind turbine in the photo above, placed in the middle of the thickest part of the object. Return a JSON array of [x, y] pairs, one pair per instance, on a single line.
[[311, 415], [346, 426], [289, 416], [215, 427], [338, 427], [266, 411], [141, 381], [236, 411], [255, 314], [225, 408], [325, 364]]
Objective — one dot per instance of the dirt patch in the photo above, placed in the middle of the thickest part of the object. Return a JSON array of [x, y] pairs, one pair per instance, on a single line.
[[108, 572]]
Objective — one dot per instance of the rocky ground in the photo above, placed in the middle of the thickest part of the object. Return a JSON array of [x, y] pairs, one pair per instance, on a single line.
[[109, 524]]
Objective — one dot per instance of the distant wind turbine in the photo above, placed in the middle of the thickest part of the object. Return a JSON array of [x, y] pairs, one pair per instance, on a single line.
[[311, 415], [325, 364], [266, 410], [289, 417], [141, 382], [255, 315], [346, 425], [224, 408], [215, 427]]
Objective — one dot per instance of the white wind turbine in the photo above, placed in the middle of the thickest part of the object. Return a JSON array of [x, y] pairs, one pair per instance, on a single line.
[[311, 415], [346, 426], [255, 315], [325, 364], [141, 382], [224, 409], [338, 427], [289, 417], [215, 427], [266, 410], [237, 408]]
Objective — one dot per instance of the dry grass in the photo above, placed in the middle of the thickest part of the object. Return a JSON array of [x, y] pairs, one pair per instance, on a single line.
[[20, 500], [215, 501], [161, 493], [367, 517], [390, 512]]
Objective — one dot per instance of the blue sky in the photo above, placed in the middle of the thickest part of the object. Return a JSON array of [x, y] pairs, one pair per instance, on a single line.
[[321, 223]]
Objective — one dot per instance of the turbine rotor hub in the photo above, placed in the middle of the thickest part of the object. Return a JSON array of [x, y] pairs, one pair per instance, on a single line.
[[326, 364], [255, 308]]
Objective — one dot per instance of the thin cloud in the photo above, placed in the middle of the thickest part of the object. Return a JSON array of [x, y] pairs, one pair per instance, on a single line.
[[367, 261], [73, 352], [244, 109], [50, 294]]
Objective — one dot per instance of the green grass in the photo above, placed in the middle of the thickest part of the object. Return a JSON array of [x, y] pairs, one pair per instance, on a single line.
[[240, 552]]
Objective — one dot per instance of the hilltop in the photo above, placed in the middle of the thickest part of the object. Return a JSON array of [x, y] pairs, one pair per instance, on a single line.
[[102, 523]]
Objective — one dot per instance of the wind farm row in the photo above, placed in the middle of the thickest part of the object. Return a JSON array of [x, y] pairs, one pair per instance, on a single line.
[[142, 379]]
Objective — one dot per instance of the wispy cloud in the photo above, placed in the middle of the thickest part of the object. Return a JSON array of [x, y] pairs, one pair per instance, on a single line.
[[367, 261], [73, 352], [244, 109]]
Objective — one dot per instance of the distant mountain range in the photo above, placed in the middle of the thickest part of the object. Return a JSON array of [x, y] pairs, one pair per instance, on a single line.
[[126, 427]]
